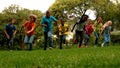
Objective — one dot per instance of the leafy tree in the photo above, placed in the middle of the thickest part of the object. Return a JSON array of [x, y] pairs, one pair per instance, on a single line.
[[104, 8]]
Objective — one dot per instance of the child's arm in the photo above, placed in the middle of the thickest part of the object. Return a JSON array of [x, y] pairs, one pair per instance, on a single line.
[[8, 37], [103, 28], [14, 32], [33, 27], [110, 30], [43, 24], [73, 27]]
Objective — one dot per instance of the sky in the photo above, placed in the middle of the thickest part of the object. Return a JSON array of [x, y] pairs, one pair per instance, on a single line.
[[41, 5]]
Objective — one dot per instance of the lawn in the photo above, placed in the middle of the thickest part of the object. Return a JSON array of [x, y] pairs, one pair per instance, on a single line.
[[73, 57]]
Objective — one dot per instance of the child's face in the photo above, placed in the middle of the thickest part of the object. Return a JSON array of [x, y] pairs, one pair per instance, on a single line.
[[99, 20], [48, 14], [85, 18], [110, 23], [13, 21], [62, 22], [31, 19], [89, 22]]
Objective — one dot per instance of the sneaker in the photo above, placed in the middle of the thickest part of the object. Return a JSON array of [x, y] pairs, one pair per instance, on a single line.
[[50, 48], [79, 46], [86, 46], [102, 44]]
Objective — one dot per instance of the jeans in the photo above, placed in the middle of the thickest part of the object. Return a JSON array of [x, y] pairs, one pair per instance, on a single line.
[[97, 37], [29, 40], [106, 39], [47, 38], [10, 42], [87, 38], [62, 40], [79, 34]]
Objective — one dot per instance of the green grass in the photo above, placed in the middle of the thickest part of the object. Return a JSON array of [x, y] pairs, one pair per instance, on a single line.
[[73, 57]]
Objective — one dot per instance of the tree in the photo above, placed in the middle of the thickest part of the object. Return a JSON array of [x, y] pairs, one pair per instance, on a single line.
[[75, 8], [62, 8]]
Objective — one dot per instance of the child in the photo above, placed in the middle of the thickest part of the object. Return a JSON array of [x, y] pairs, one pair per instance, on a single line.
[[47, 22], [106, 29], [88, 31], [97, 29], [10, 31], [63, 29], [30, 27], [80, 27]]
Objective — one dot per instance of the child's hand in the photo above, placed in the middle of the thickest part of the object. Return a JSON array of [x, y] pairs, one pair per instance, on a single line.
[[72, 30], [44, 25], [8, 37], [57, 28], [84, 32], [28, 32], [110, 33]]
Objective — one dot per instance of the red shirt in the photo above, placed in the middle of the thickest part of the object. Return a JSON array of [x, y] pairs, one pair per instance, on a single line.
[[88, 29], [29, 26]]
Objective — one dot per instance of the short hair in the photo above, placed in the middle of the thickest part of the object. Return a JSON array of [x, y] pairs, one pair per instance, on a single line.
[[62, 19], [48, 11], [10, 19], [86, 16]]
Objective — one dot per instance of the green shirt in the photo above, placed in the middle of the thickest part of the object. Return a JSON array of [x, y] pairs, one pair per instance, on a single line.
[[98, 27]]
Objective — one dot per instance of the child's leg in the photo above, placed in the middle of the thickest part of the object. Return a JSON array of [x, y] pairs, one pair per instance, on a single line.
[[102, 44], [11, 42], [108, 39], [26, 40], [50, 39], [45, 40], [97, 38], [76, 37], [87, 38], [31, 41], [61, 39], [50, 42], [64, 39], [8, 43], [81, 38]]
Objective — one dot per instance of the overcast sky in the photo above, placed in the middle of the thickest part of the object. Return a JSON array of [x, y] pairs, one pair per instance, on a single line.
[[41, 5]]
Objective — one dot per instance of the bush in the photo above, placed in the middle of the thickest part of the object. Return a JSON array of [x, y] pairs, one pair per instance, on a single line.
[[115, 36]]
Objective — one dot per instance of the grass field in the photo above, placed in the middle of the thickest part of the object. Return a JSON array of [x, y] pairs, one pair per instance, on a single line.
[[73, 57]]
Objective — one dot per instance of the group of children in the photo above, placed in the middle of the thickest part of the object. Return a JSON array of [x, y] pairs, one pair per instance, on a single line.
[[10, 31], [84, 29]]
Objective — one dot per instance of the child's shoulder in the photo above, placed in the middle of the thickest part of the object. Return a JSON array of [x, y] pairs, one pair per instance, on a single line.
[[6, 25]]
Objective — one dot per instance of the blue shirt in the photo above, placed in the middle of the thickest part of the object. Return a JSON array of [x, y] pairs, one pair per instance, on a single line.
[[10, 29], [48, 22], [107, 30]]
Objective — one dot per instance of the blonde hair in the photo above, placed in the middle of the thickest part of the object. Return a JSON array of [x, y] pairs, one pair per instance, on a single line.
[[108, 23]]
